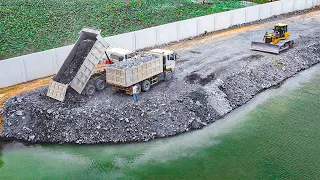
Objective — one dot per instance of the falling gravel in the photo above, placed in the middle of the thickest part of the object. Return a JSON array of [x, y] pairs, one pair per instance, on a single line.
[[205, 87], [83, 50]]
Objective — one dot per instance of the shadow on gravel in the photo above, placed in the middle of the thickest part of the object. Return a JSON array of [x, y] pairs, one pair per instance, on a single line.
[[195, 78], [252, 57]]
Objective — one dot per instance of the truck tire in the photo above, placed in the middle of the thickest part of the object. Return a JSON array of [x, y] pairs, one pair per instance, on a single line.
[[146, 85], [90, 90], [168, 75], [100, 84], [139, 88]]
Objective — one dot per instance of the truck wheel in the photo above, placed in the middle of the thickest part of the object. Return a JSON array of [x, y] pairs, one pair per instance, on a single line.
[[139, 88], [100, 84], [168, 75], [90, 90], [146, 85]]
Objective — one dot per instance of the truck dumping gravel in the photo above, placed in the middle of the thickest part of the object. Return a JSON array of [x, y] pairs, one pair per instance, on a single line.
[[82, 51], [207, 85]]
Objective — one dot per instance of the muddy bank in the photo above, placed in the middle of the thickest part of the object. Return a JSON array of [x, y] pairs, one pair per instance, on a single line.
[[222, 75]]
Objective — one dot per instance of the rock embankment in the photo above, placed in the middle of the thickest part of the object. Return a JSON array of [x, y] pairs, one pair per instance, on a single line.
[[168, 109], [223, 75]]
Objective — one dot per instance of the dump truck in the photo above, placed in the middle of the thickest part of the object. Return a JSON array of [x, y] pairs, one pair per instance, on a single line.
[[79, 65], [142, 71], [80, 69], [275, 42], [117, 54]]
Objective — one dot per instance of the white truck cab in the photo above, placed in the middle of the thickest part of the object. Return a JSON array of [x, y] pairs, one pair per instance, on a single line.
[[118, 54], [169, 57]]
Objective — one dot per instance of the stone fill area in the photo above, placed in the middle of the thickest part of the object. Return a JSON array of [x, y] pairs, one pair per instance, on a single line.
[[207, 85], [82, 52]]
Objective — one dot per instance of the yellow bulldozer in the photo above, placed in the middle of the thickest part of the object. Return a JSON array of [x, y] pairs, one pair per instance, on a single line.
[[275, 42]]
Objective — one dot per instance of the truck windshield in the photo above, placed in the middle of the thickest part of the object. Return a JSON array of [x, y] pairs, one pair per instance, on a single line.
[[115, 57], [171, 57]]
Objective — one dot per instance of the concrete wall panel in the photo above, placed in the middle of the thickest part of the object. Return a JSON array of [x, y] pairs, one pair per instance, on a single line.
[[38, 65], [222, 20], [265, 11], [187, 28], [206, 24], [238, 16], [12, 72], [60, 55], [276, 8], [287, 6], [146, 38], [252, 13], [126, 40], [167, 33], [299, 4], [309, 4]]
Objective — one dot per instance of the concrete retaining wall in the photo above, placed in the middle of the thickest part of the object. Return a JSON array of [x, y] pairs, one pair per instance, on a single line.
[[222, 20], [146, 38], [187, 28], [265, 11], [12, 72], [309, 4], [33, 66], [206, 24], [300, 4], [276, 8], [39, 64], [252, 13], [287, 6], [127, 41], [167, 33], [238, 16]]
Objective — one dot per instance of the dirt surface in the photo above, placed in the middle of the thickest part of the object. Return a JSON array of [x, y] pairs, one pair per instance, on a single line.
[[82, 52], [213, 76]]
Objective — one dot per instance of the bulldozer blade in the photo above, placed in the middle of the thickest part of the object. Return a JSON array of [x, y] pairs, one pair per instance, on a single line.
[[260, 46]]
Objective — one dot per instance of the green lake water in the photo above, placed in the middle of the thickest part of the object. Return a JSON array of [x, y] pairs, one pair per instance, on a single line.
[[274, 136]]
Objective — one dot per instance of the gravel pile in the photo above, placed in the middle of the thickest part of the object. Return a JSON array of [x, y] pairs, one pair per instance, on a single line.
[[37, 118], [131, 62], [82, 52]]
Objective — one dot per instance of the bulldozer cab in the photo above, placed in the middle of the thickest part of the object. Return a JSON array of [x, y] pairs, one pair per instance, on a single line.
[[282, 30]]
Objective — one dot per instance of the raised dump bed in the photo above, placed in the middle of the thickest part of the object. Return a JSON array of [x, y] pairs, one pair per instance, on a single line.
[[79, 65]]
